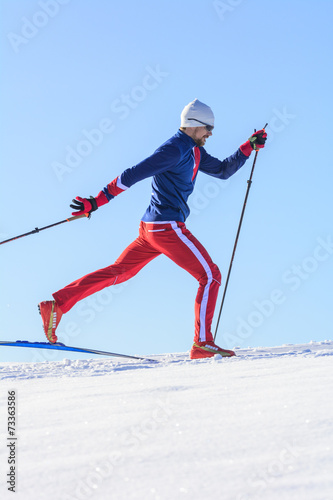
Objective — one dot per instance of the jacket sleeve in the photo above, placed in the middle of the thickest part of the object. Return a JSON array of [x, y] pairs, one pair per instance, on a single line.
[[221, 169], [161, 160]]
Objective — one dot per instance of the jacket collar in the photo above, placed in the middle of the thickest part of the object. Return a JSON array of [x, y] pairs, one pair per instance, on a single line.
[[186, 138]]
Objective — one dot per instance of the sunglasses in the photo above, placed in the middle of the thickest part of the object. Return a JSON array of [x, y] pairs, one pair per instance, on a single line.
[[209, 128]]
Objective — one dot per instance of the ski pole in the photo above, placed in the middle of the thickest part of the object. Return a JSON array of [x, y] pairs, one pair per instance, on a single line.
[[249, 182], [36, 230]]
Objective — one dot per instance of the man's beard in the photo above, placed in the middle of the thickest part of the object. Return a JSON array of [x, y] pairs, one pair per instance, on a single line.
[[200, 142]]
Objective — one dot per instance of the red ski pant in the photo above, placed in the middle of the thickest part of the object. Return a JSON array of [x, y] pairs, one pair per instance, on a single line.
[[175, 241]]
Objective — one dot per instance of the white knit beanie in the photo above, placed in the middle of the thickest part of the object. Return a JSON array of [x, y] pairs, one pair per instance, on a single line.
[[194, 111]]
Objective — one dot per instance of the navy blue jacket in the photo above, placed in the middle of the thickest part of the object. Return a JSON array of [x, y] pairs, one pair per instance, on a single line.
[[174, 167]]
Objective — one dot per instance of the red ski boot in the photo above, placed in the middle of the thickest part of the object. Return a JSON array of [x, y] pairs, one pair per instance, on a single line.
[[51, 316], [208, 350]]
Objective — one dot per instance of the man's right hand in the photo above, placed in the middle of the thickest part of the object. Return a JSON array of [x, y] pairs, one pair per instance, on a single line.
[[83, 205]]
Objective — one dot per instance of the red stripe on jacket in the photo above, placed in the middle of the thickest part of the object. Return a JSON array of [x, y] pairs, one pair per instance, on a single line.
[[197, 156]]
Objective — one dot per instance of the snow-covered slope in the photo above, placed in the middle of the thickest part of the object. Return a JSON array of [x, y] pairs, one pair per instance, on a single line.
[[258, 426]]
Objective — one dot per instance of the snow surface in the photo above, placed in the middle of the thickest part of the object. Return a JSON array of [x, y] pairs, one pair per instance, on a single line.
[[258, 426]]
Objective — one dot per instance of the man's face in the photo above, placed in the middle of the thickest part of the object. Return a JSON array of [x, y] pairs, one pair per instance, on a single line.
[[200, 134]]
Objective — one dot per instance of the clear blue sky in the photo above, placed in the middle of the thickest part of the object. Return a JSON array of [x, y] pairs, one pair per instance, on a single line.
[[127, 69]]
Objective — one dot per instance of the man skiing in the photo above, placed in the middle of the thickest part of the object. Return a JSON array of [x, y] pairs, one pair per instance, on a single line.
[[174, 167]]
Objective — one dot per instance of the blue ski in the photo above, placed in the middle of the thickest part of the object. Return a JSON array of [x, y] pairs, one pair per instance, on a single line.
[[62, 347]]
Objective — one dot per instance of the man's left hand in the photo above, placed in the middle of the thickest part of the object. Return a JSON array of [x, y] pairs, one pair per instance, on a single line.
[[258, 139], [255, 142]]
